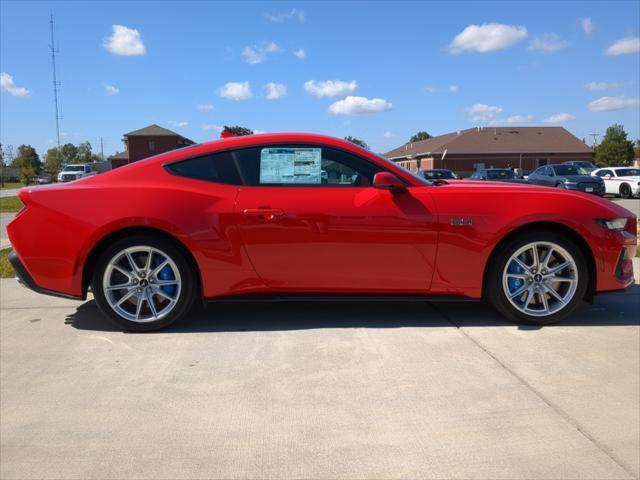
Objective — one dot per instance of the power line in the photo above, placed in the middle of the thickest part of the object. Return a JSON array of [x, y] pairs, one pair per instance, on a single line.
[[56, 84]]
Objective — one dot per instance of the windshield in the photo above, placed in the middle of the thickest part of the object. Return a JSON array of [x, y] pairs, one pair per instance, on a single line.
[[500, 175], [568, 170], [73, 168], [420, 178], [628, 172], [435, 174]]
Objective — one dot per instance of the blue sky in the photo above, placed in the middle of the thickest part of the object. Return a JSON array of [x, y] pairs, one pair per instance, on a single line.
[[395, 68]]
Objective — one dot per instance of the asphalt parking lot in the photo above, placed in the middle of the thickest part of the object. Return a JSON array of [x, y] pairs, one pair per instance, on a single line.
[[311, 390]]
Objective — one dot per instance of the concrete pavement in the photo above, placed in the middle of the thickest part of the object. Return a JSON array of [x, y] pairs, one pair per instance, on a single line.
[[5, 217], [310, 390]]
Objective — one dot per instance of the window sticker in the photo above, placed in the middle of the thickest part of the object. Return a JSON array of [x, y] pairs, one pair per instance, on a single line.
[[291, 165]]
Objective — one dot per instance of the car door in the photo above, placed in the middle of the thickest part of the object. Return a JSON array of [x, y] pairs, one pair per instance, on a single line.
[[607, 176], [310, 220]]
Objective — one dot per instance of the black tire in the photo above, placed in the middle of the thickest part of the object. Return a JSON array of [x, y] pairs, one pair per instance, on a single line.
[[495, 294], [185, 298], [625, 191]]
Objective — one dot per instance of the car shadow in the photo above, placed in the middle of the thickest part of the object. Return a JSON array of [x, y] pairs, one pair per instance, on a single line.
[[608, 310]]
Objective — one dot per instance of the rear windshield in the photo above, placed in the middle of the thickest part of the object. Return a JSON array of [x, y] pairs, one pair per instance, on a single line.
[[74, 168], [500, 174]]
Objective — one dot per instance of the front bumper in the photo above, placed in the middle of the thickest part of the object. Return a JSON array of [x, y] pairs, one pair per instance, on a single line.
[[24, 278], [596, 189]]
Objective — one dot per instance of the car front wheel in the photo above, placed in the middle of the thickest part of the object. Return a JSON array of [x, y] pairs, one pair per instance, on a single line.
[[538, 278], [625, 191], [143, 283]]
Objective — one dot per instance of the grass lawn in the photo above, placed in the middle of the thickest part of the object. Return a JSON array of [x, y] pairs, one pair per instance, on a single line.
[[6, 270], [10, 204], [9, 185]]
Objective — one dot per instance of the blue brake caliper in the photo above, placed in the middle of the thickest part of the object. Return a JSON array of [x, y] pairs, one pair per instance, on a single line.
[[165, 274], [514, 283]]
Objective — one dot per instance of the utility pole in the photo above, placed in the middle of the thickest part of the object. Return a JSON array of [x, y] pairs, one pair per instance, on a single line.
[[595, 138], [56, 84]]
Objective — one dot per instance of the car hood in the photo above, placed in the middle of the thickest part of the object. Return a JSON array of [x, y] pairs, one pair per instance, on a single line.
[[506, 191], [579, 178]]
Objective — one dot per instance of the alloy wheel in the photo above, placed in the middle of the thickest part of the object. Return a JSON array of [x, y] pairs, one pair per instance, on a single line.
[[540, 279], [141, 284]]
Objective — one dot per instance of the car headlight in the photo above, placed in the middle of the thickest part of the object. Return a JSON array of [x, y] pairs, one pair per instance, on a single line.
[[613, 223]]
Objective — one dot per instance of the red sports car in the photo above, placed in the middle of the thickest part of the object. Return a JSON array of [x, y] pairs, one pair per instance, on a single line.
[[290, 216]]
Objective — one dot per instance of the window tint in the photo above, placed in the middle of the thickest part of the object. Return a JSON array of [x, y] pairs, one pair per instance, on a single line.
[[303, 165], [602, 173], [217, 167]]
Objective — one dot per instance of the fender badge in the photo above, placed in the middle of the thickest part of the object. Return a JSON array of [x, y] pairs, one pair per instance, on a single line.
[[461, 222]]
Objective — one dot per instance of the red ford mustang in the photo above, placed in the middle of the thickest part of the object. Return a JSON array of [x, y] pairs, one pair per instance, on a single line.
[[307, 216]]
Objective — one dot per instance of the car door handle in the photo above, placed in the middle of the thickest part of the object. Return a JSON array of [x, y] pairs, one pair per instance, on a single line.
[[268, 213]]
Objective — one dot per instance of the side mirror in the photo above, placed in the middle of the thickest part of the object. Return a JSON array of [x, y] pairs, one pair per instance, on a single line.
[[607, 177], [388, 181]]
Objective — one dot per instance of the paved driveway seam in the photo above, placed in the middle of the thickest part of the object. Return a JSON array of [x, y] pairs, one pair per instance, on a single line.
[[559, 411]]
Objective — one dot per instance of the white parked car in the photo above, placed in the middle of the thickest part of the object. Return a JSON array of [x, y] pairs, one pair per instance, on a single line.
[[623, 181], [74, 172]]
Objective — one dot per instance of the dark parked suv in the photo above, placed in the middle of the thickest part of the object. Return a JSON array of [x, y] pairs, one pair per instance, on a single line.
[[570, 177]]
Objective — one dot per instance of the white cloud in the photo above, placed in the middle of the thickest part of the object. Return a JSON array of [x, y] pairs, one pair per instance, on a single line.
[[359, 106], [258, 53], [330, 88], [587, 25], [300, 53], [124, 41], [430, 89], [180, 124], [481, 112], [453, 88], [548, 43], [388, 134], [624, 46], [111, 89], [7, 84], [235, 91], [293, 14], [275, 91], [598, 86], [208, 126], [204, 106], [605, 104], [559, 118], [487, 38], [513, 120]]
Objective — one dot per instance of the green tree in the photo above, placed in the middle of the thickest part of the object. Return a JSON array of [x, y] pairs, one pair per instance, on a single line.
[[235, 131], [357, 141], [636, 150], [53, 162], [84, 153], [420, 136], [615, 149], [68, 153], [27, 173], [28, 162]]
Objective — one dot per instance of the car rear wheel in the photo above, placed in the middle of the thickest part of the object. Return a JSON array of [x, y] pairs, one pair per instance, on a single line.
[[625, 191], [143, 283], [537, 278]]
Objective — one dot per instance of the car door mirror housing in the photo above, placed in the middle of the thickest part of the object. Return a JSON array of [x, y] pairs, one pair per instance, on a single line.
[[388, 181]]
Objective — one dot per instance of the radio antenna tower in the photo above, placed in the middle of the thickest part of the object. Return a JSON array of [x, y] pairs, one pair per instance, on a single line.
[[56, 83]]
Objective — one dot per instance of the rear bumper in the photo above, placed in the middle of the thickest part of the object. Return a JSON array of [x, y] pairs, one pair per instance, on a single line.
[[24, 279]]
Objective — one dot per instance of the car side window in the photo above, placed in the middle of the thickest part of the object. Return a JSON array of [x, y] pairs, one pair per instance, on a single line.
[[602, 173], [304, 165], [549, 171], [216, 167]]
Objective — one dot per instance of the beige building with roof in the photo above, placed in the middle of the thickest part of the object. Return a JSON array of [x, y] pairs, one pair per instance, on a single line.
[[502, 147]]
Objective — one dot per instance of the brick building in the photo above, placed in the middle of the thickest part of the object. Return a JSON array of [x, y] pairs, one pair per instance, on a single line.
[[147, 142], [517, 147]]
